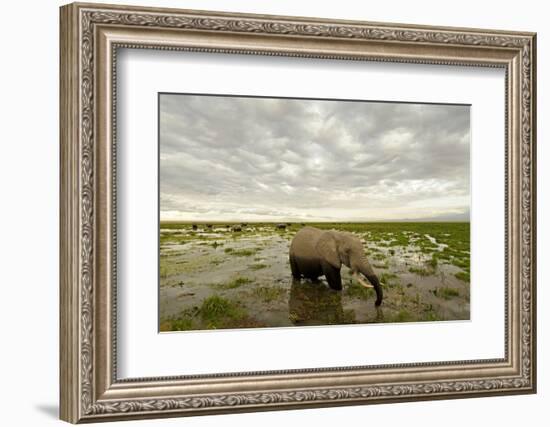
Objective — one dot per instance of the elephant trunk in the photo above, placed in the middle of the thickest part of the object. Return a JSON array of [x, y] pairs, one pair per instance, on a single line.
[[364, 267], [373, 278]]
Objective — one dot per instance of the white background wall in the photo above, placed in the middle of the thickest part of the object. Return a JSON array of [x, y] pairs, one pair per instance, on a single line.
[[29, 171]]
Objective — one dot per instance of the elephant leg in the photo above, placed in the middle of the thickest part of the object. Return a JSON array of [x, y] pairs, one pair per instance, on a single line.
[[333, 276], [294, 268]]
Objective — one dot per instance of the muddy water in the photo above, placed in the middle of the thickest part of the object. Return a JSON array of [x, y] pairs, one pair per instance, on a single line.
[[251, 270]]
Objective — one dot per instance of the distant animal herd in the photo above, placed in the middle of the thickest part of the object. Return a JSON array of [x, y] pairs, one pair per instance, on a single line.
[[240, 227]]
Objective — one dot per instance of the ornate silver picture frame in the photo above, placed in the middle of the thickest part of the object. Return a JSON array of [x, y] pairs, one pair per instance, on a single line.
[[91, 390]]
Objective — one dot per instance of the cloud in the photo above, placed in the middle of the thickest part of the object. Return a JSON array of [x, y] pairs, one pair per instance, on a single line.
[[239, 158]]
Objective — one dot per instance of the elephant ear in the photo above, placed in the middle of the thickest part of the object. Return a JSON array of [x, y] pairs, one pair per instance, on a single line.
[[326, 248]]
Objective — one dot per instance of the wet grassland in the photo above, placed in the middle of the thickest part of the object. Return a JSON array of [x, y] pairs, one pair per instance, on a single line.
[[228, 275]]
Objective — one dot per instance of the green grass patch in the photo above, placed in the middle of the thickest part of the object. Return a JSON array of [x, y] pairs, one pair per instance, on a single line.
[[269, 293], [388, 278], [378, 256], [235, 283], [421, 271], [218, 312], [463, 275], [382, 266], [433, 261], [403, 315], [215, 312], [171, 266], [183, 322], [258, 266], [178, 324], [432, 316], [447, 293], [242, 252], [355, 290], [174, 238], [463, 262]]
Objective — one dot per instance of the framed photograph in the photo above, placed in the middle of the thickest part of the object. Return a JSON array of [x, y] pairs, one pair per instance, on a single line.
[[266, 212]]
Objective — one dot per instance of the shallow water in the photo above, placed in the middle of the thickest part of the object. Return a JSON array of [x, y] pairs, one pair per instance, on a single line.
[[250, 271]]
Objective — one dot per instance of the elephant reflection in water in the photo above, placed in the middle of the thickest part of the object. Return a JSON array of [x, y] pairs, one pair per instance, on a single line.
[[311, 304]]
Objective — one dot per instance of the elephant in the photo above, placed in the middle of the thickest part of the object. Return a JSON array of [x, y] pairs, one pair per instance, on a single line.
[[281, 226], [314, 253]]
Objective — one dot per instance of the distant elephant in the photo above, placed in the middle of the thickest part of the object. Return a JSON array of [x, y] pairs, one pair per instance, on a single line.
[[236, 228], [281, 226], [314, 253]]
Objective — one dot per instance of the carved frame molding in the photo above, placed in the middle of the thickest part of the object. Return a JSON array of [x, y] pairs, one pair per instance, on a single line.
[[90, 36]]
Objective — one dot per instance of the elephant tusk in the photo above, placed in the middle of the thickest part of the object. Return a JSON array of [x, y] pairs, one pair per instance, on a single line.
[[362, 282]]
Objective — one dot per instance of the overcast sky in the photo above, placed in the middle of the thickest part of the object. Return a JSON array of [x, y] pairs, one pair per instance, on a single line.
[[266, 159]]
